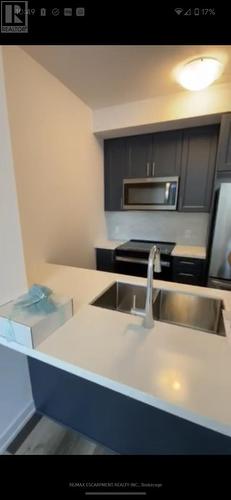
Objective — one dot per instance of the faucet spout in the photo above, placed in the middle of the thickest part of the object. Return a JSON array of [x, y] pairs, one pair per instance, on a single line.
[[147, 313], [153, 261]]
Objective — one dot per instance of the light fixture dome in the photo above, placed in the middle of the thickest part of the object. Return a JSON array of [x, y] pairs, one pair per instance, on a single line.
[[199, 73]]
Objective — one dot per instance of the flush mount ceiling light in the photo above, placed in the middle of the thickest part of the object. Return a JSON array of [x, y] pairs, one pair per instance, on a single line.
[[199, 73]]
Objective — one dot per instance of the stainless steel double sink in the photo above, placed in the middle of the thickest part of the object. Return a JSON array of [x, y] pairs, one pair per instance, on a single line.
[[169, 306]]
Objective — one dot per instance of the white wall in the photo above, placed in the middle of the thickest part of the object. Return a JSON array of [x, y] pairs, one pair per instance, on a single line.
[[15, 390], [179, 106], [58, 165], [12, 278], [181, 228]]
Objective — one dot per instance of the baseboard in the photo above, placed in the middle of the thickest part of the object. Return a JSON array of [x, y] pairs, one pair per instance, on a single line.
[[15, 427]]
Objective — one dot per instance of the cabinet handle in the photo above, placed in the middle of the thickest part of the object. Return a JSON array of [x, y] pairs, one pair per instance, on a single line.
[[148, 169], [135, 260], [188, 263], [186, 274], [153, 169]]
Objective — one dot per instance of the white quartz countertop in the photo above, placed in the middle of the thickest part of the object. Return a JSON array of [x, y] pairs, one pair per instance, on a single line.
[[179, 370], [108, 244], [193, 251]]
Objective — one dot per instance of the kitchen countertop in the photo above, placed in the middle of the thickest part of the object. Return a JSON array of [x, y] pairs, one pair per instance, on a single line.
[[193, 251], [182, 371], [108, 244]]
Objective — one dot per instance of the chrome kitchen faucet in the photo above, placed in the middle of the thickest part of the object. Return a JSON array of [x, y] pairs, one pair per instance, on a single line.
[[147, 313]]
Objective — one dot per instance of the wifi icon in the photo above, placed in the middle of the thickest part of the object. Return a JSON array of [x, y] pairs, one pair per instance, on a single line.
[[178, 11]]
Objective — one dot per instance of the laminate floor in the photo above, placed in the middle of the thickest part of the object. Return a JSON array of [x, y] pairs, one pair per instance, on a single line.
[[50, 438]]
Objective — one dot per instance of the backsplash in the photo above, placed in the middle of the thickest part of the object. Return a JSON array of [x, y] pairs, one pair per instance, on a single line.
[[182, 228]]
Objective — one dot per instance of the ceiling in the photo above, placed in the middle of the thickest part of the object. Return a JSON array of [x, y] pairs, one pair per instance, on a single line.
[[107, 75]]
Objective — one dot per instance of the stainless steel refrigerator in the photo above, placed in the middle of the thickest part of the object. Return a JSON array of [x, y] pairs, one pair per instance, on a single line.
[[220, 261]]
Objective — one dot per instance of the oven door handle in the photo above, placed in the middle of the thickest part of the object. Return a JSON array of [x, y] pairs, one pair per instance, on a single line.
[[136, 260]]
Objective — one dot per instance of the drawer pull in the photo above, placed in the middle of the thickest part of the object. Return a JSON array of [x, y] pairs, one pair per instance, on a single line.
[[187, 274], [187, 262]]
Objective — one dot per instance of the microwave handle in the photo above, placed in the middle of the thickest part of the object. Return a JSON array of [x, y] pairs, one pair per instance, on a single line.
[[148, 169], [167, 192], [153, 168]]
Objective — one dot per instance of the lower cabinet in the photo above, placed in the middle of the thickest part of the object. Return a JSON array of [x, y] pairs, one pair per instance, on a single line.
[[184, 269], [105, 260], [189, 271], [121, 423]]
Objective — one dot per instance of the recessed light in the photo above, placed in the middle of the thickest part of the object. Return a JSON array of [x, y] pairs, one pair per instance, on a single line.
[[199, 73]]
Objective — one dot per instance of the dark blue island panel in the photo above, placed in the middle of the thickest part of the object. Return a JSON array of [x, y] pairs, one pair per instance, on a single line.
[[116, 421]]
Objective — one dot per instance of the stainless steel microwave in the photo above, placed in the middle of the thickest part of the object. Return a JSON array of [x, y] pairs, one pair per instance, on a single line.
[[150, 193]]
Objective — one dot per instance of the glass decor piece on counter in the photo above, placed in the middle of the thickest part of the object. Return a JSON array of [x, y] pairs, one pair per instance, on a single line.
[[33, 316]]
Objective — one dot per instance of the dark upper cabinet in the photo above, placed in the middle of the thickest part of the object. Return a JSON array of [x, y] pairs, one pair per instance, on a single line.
[[115, 170], [155, 155], [224, 145], [140, 155], [166, 153], [198, 168], [189, 154]]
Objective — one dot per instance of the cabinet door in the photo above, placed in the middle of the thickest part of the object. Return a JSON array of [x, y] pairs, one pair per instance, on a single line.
[[166, 157], [198, 168], [188, 270], [140, 155], [105, 260], [115, 170], [224, 145]]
